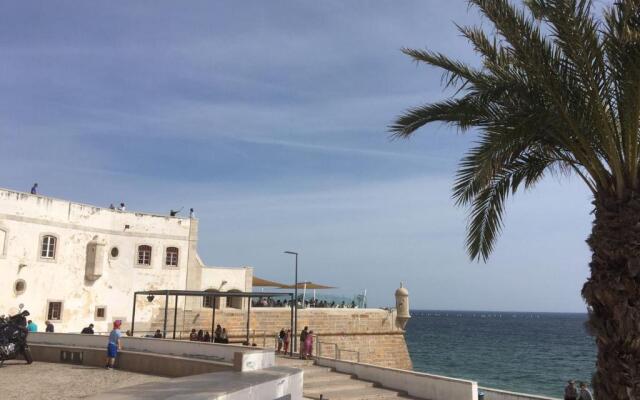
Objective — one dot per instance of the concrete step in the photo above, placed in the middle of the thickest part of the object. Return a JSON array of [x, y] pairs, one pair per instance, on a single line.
[[367, 393], [335, 385], [293, 362], [313, 370], [327, 377]]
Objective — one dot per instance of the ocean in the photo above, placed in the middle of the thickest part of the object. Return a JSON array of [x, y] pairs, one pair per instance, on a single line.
[[532, 353]]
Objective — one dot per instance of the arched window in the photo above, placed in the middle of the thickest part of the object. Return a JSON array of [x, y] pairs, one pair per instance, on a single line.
[[144, 255], [171, 259], [234, 302], [208, 301], [48, 248]]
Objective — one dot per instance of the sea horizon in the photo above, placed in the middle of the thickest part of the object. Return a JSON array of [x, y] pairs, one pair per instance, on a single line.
[[495, 311]]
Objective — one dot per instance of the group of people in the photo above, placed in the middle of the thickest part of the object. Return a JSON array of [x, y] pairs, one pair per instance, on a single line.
[[219, 335], [122, 207], [33, 327], [314, 303], [306, 342], [571, 392]]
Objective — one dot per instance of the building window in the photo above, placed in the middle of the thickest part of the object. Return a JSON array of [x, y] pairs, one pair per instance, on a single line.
[[209, 301], [234, 302], [20, 286], [114, 252], [54, 311], [101, 312], [48, 247], [3, 240], [171, 259], [144, 255]]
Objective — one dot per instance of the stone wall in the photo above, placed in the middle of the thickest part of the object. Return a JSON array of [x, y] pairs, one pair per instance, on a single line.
[[370, 332]]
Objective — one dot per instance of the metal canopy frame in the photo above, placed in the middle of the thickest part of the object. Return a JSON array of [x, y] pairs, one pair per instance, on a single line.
[[214, 295]]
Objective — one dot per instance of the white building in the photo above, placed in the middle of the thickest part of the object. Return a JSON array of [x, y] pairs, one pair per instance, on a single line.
[[74, 264]]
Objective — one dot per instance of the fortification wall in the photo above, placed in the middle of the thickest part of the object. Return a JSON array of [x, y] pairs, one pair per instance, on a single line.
[[370, 332]]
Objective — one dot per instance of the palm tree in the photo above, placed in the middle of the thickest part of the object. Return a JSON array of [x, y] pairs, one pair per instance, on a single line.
[[558, 90]]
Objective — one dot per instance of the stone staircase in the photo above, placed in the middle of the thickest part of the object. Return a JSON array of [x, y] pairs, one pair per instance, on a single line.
[[323, 381]]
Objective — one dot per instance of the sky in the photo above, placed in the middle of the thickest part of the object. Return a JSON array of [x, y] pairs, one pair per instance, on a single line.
[[270, 119]]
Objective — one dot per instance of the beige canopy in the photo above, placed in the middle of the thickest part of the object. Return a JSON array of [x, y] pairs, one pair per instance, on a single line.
[[259, 282], [308, 285]]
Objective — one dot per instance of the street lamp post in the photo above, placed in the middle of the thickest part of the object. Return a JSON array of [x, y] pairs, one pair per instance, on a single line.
[[295, 304]]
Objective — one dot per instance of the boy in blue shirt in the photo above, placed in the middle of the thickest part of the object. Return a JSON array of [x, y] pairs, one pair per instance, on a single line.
[[114, 344], [32, 327]]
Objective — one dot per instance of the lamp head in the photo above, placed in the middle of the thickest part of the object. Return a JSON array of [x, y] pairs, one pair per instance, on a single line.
[[291, 252], [150, 298]]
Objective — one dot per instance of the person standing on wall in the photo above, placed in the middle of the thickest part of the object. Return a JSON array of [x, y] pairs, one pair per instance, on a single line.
[[114, 345], [88, 330], [34, 188]]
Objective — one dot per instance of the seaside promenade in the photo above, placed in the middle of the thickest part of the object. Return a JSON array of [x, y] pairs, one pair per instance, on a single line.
[[172, 369]]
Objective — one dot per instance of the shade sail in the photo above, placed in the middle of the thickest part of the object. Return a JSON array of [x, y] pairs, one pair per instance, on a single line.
[[308, 285], [259, 282]]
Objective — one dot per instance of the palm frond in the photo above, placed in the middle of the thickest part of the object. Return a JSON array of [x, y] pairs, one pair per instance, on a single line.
[[557, 90]]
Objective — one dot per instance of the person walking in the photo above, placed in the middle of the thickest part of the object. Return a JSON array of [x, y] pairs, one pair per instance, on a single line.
[[207, 337], [88, 330], [114, 344], [193, 336], [31, 326], [303, 337], [585, 394], [49, 326], [570, 391]]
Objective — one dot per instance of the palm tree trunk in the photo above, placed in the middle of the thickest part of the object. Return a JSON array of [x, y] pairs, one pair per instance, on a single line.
[[613, 296]]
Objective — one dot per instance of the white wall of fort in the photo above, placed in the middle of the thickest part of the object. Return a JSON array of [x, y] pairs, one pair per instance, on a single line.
[[85, 271]]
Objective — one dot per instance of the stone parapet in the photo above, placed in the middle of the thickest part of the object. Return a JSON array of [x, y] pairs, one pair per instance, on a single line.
[[370, 334]]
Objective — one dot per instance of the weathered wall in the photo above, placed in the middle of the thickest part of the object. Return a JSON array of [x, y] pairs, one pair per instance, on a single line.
[[371, 332], [25, 218]]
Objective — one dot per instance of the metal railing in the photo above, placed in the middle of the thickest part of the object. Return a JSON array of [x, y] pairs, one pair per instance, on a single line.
[[337, 351]]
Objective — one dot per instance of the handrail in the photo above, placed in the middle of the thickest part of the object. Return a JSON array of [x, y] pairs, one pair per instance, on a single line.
[[352, 351], [337, 350]]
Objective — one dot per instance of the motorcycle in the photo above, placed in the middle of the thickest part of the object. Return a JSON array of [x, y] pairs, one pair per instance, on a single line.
[[13, 338]]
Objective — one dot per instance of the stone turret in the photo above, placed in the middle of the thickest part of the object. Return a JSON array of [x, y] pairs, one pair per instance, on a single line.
[[402, 306]]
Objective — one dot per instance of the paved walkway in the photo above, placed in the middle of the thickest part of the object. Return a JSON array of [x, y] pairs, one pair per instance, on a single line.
[[331, 385], [41, 380]]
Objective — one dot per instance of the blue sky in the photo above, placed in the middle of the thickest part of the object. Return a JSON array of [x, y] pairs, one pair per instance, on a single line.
[[269, 118]]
